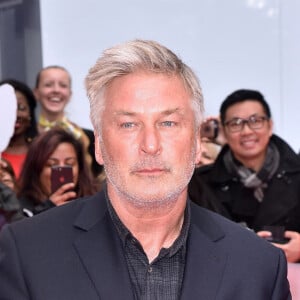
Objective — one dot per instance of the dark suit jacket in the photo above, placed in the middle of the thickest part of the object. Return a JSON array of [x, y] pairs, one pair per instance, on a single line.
[[74, 252]]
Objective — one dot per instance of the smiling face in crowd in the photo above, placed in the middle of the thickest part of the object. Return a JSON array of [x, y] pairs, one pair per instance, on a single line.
[[248, 145], [53, 91]]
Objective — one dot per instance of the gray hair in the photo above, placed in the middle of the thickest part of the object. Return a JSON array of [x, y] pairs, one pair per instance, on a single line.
[[131, 57]]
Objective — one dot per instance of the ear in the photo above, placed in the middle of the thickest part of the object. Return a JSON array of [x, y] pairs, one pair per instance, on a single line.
[[198, 148], [271, 125], [98, 152], [36, 94]]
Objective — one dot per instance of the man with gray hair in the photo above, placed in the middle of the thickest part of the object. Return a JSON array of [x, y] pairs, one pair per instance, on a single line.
[[140, 238]]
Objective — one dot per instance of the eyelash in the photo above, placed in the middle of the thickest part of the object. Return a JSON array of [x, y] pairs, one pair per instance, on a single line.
[[130, 125], [169, 123], [127, 125]]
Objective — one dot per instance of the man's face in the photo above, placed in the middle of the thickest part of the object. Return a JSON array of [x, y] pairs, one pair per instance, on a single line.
[[149, 145], [248, 145]]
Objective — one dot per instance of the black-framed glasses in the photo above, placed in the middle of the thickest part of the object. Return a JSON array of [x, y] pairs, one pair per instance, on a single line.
[[253, 122]]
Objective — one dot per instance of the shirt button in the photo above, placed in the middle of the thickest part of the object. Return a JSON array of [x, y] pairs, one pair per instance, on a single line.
[[150, 269]]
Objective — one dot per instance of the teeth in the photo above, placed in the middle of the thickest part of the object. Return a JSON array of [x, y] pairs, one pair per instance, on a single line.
[[55, 99], [248, 143]]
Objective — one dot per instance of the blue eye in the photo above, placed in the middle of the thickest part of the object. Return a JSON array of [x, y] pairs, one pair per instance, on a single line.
[[127, 125], [168, 123]]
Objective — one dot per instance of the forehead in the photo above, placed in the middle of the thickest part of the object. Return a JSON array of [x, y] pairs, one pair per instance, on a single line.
[[21, 97], [244, 109], [144, 90], [64, 149], [54, 73]]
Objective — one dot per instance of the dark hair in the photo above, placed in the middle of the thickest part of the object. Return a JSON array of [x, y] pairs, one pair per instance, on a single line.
[[38, 76], [38, 154], [21, 87], [9, 170], [241, 96]]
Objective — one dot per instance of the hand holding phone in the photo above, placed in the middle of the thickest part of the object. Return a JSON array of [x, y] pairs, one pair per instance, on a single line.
[[210, 129], [60, 175], [277, 234]]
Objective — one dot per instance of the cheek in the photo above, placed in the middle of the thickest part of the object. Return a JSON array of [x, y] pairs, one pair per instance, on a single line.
[[116, 148], [25, 118], [75, 174], [265, 139], [43, 93], [67, 94], [232, 139]]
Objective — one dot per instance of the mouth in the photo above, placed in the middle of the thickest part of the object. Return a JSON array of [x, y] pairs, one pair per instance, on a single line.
[[249, 143], [150, 172], [55, 99], [20, 122]]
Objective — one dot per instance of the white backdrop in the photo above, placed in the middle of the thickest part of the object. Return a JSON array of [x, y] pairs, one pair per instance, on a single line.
[[230, 44]]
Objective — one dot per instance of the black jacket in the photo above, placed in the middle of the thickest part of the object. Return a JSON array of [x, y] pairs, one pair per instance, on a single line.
[[10, 209], [214, 188], [74, 252]]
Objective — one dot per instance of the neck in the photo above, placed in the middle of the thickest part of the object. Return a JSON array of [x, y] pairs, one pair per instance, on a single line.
[[17, 145], [254, 163], [154, 228], [51, 116]]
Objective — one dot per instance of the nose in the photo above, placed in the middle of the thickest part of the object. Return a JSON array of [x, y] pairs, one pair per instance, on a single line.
[[61, 164], [246, 128], [150, 141], [56, 87]]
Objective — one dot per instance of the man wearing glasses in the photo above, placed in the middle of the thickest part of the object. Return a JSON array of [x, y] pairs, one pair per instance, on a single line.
[[255, 179]]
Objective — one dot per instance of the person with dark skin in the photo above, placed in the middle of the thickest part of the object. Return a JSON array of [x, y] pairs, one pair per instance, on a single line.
[[25, 126]]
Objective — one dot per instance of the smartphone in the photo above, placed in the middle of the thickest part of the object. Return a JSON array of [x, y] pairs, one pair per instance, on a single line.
[[210, 129], [277, 234], [60, 175]]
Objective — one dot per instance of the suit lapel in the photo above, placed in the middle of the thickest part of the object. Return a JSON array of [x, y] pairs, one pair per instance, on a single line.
[[100, 251], [205, 262]]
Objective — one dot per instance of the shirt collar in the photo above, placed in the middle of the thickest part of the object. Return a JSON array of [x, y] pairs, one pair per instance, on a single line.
[[124, 233]]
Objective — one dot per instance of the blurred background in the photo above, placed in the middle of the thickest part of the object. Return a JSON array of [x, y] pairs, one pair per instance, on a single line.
[[231, 44]]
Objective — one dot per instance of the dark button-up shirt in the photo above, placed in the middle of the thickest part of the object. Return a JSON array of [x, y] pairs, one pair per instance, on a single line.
[[162, 278]]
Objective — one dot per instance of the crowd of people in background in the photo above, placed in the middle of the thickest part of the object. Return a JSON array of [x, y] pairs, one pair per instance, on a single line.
[[43, 137], [246, 172], [140, 237]]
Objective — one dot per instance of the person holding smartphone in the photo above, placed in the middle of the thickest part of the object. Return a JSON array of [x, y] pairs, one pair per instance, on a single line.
[[53, 92], [55, 172], [140, 237]]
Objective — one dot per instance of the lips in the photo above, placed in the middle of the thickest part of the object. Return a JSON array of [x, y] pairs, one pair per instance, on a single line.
[[20, 122], [150, 171]]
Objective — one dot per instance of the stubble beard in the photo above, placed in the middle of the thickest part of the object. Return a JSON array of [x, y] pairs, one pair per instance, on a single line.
[[160, 192]]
